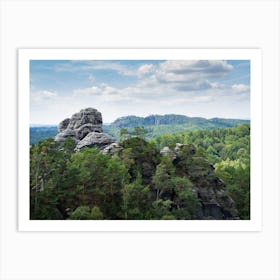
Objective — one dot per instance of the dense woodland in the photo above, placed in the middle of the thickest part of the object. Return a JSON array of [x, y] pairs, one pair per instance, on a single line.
[[138, 182]]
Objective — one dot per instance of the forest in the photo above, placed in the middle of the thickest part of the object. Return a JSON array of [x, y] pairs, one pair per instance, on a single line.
[[175, 175]]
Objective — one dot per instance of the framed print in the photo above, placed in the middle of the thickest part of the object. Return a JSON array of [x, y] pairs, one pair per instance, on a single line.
[[140, 140], [182, 98]]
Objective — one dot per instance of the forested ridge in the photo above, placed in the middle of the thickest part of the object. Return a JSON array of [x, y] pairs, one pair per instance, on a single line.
[[155, 125], [144, 178], [41, 132], [158, 125], [229, 150], [173, 119]]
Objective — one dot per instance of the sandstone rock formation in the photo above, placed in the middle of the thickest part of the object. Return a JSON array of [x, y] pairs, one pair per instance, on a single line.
[[100, 140], [112, 149], [85, 128], [211, 191]]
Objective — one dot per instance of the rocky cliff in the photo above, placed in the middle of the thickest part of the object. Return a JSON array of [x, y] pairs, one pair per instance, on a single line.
[[85, 128], [216, 204]]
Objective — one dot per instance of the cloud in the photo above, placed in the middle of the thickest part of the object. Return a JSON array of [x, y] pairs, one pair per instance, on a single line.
[[43, 96], [183, 87], [87, 91], [89, 65], [191, 70], [112, 66], [208, 67], [170, 71], [196, 85], [145, 69], [102, 89], [240, 87], [121, 69]]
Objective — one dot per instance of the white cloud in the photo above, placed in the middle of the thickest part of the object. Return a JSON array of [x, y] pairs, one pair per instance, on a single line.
[[240, 87], [145, 69], [87, 91], [209, 67], [103, 89], [43, 96], [183, 87], [113, 66], [121, 69], [191, 70]]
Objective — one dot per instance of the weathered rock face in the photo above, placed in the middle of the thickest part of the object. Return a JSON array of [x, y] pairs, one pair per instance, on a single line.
[[85, 128], [63, 125], [100, 140], [112, 149], [79, 125], [86, 116], [166, 151], [216, 204]]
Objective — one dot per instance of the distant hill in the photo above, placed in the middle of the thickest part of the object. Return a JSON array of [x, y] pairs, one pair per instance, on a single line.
[[156, 125], [38, 133], [172, 119]]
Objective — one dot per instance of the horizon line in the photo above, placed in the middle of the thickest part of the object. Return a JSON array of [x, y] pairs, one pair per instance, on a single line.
[[107, 123]]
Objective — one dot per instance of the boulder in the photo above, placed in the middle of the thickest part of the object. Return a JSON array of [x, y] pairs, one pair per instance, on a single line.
[[85, 129], [62, 136], [79, 125], [166, 151], [63, 125], [112, 149], [100, 140], [85, 116]]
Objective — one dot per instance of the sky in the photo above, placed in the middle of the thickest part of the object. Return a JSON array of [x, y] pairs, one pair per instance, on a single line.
[[116, 88]]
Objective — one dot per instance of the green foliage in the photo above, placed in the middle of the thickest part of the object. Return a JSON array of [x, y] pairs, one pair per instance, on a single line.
[[101, 179], [162, 179], [136, 201], [96, 213], [84, 213], [161, 209], [138, 183], [227, 149], [140, 156], [47, 170], [172, 119], [154, 126], [139, 131], [80, 213], [186, 202], [236, 175], [123, 134], [159, 125]]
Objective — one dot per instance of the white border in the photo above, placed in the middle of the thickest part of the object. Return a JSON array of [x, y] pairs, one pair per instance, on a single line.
[[254, 55]]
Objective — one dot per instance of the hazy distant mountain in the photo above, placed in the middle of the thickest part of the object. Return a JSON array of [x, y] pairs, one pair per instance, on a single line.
[[172, 119], [38, 132], [156, 125]]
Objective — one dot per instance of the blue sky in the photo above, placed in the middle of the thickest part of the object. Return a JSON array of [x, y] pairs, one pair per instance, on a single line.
[[204, 88]]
